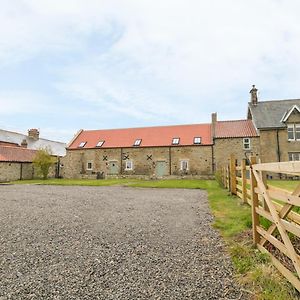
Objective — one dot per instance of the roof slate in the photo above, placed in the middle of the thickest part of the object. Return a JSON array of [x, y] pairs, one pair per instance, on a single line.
[[16, 154], [150, 136], [235, 128], [57, 148], [268, 114]]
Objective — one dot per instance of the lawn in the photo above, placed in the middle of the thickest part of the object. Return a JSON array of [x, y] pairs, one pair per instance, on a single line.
[[284, 184], [232, 219]]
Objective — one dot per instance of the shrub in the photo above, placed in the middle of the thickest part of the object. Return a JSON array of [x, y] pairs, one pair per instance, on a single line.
[[43, 161]]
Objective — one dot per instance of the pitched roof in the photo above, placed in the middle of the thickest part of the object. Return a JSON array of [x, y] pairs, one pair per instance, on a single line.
[[268, 114], [150, 136], [57, 148], [235, 128], [16, 154]]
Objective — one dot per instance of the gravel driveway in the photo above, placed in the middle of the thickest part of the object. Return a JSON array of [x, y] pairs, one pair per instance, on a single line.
[[110, 243]]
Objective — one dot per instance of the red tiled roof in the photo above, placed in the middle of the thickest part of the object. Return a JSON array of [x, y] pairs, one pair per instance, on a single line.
[[150, 136], [2, 143], [236, 128], [16, 154]]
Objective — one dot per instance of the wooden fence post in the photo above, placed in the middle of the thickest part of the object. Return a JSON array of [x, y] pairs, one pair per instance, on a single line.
[[232, 174], [254, 198], [244, 180], [228, 178]]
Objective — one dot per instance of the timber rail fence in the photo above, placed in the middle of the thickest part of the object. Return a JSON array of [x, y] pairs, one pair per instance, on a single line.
[[281, 238]]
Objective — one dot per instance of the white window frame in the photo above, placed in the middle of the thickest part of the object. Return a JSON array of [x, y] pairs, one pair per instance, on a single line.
[[87, 165], [182, 161], [247, 143], [176, 141], [128, 165], [137, 142], [82, 144], [100, 143], [295, 130], [293, 156], [197, 140]]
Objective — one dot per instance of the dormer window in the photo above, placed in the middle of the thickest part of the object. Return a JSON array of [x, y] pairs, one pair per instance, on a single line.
[[293, 131], [137, 142], [100, 144], [175, 141], [82, 144], [197, 140]]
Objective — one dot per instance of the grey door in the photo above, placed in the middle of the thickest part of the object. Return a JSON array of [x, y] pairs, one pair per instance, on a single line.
[[161, 169], [113, 168]]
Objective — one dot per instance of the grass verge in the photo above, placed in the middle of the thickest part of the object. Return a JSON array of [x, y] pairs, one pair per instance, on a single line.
[[253, 269]]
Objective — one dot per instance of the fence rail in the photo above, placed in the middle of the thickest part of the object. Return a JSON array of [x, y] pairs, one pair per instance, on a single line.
[[281, 238]]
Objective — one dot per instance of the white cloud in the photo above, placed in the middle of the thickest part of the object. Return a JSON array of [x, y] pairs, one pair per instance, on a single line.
[[176, 60]]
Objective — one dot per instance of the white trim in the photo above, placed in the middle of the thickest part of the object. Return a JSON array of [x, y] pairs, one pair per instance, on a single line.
[[126, 167], [187, 164], [74, 138], [288, 113], [249, 143], [87, 165]]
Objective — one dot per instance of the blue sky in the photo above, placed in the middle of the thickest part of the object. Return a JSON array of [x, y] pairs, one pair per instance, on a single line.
[[72, 64]]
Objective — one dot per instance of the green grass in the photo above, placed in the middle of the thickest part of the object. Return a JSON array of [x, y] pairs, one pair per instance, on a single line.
[[284, 184], [232, 219]]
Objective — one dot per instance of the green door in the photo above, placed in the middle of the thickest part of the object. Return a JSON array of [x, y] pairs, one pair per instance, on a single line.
[[113, 168], [161, 169]]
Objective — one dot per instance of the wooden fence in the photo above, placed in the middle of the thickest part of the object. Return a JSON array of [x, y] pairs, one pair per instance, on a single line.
[[280, 237]]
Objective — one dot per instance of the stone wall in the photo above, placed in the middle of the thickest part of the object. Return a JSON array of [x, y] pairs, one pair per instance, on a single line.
[[14, 171], [269, 146], [145, 161], [224, 147]]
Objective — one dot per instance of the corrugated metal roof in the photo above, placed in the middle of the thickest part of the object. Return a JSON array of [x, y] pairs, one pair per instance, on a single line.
[[56, 148], [235, 128], [150, 136], [16, 154], [268, 114]]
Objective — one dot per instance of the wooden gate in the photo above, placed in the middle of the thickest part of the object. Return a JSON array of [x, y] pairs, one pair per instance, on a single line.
[[279, 239]]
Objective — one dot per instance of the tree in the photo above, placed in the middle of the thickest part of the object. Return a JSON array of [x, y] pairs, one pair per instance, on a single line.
[[43, 161]]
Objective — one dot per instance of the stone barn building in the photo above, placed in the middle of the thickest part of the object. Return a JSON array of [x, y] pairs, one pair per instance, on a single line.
[[15, 162], [17, 152], [271, 132], [152, 151]]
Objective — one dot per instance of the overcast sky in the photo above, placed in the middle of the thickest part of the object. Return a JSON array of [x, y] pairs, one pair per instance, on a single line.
[[92, 64]]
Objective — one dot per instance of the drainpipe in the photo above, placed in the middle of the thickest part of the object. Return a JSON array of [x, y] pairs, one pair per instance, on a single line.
[[170, 161], [278, 145], [21, 171], [278, 149], [121, 164], [213, 157]]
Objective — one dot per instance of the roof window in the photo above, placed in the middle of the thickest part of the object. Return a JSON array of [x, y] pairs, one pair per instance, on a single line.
[[197, 140], [175, 141], [82, 144], [100, 143], [137, 142]]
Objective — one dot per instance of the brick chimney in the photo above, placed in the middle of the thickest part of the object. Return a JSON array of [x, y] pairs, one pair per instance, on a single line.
[[24, 143], [34, 133], [214, 120], [253, 93]]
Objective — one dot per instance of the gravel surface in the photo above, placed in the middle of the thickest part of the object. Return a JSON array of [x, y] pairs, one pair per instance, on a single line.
[[110, 243]]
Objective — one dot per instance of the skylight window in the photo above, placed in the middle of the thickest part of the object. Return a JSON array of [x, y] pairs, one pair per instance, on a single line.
[[100, 144], [175, 141], [197, 140], [137, 142], [82, 144]]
